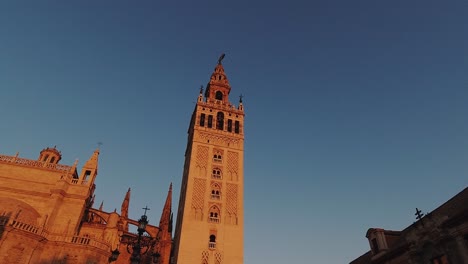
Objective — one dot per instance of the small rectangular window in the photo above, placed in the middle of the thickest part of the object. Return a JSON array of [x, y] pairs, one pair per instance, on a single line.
[[236, 127], [202, 120], [210, 121], [229, 128]]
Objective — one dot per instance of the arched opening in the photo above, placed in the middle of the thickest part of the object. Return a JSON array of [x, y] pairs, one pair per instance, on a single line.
[[219, 95], [202, 120], [214, 215], [215, 192], [220, 121], [229, 126], [210, 121], [216, 174], [217, 157], [237, 127], [212, 238]]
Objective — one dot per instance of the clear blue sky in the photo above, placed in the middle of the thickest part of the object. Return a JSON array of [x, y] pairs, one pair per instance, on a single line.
[[356, 111]]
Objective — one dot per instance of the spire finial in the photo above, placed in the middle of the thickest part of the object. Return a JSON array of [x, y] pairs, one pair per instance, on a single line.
[[240, 98], [201, 89], [221, 58]]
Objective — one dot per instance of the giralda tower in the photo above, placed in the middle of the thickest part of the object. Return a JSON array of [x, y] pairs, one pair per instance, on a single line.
[[210, 219]]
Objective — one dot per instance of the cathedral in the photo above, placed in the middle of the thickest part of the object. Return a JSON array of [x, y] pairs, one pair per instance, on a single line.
[[48, 215]]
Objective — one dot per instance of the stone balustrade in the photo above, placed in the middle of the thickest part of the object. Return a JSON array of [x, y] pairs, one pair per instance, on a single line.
[[78, 240], [34, 163]]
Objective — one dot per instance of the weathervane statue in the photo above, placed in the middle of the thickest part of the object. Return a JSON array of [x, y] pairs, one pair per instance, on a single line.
[[221, 58]]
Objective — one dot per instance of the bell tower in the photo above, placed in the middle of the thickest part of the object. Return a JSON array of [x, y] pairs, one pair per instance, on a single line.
[[210, 218]]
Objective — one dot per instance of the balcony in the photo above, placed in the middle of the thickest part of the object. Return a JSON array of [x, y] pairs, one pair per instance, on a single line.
[[212, 245], [213, 219]]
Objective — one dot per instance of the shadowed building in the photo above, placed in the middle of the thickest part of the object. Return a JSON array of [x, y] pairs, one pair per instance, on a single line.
[[47, 215], [440, 237], [210, 222]]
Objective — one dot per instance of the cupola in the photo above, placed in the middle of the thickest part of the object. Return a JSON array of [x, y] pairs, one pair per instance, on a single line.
[[218, 87], [50, 155]]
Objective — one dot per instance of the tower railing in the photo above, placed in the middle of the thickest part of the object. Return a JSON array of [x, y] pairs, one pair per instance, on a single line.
[[214, 219], [212, 245]]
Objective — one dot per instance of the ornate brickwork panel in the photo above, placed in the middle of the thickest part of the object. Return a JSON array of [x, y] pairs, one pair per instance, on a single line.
[[218, 258], [205, 257], [231, 203], [198, 197], [202, 160], [233, 165], [219, 140]]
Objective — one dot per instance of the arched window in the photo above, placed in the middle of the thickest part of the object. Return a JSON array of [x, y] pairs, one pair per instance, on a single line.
[[202, 120], [217, 158], [236, 127], [212, 238], [52, 160], [215, 192], [220, 121], [214, 215], [210, 121], [229, 126], [46, 157], [212, 243], [219, 95], [216, 174]]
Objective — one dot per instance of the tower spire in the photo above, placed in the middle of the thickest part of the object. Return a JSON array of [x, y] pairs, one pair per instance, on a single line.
[[92, 163], [167, 210], [125, 204], [165, 226], [218, 87], [90, 169]]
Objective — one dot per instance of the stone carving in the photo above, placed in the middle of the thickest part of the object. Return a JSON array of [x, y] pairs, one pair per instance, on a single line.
[[202, 160], [231, 203], [198, 197], [233, 165], [218, 258], [219, 140], [205, 257]]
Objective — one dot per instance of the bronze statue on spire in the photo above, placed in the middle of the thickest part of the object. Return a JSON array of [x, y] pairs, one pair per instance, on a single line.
[[221, 58]]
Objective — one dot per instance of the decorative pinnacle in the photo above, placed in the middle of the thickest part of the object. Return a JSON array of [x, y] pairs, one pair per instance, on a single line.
[[240, 98], [201, 89]]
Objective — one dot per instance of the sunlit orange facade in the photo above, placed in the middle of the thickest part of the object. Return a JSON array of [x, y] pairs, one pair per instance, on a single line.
[[440, 237], [47, 215], [210, 217]]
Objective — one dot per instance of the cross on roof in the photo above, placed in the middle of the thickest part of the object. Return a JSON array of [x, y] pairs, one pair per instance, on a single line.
[[146, 209], [418, 214]]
